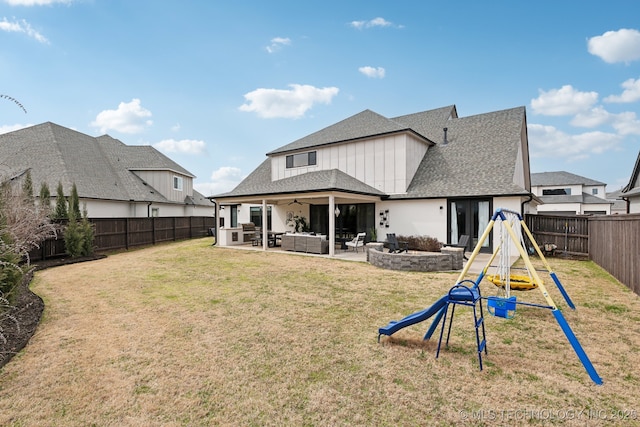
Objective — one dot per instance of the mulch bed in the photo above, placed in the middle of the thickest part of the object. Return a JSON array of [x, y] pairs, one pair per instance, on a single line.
[[26, 310]]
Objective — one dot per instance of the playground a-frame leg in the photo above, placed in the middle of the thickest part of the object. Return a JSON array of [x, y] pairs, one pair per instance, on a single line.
[[573, 340]]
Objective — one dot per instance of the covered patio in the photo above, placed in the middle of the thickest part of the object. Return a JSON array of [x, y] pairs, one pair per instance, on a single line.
[[338, 215]]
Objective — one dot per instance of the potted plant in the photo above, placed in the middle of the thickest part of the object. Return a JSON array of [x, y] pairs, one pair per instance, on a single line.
[[299, 223]]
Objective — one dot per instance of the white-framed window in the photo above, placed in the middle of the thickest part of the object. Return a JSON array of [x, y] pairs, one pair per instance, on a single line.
[[594, 191], [155, 212], [177, 183]]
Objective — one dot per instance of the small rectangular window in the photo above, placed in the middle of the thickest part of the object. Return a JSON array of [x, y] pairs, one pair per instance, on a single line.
[[594, 191], [177, 183], [557, 192], [301, 159], [155, 212]]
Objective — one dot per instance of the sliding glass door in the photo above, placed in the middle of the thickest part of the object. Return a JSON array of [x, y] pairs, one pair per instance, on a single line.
[[470, 217]]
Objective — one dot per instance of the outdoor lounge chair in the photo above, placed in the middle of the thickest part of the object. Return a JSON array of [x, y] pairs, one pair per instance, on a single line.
[[357, 242], [395, 246], [463, 242]]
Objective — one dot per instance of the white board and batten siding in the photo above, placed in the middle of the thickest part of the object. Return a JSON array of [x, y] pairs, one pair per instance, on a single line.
[[387, 163], [162, 181]]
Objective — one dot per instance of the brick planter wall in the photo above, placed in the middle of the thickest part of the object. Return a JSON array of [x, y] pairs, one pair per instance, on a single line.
[[446, 260]]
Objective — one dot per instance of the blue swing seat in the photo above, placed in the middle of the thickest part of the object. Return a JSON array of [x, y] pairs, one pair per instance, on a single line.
[[502, 307]]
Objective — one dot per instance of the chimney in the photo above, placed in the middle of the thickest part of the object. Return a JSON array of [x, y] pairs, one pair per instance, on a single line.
[[445, 142]]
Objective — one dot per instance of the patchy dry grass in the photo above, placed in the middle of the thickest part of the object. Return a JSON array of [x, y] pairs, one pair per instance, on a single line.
[[189, 334]]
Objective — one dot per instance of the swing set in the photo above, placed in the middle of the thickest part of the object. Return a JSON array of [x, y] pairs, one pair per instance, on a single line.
[[505, 304]]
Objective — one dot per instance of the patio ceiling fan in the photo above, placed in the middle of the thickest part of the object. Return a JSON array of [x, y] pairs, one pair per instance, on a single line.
[[295, 202]]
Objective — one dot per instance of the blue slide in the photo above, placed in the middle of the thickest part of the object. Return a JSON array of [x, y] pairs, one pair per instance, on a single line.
[[417, 317]]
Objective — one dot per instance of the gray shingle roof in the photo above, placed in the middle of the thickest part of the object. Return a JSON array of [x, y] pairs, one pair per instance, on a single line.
[[362, 125], [561, 178], [259, 183], [100, 167], [479, 160]]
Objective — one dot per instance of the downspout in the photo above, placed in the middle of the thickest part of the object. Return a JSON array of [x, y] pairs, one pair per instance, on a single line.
[[215, 222], [149, 209], [626, 200], [524, 203]]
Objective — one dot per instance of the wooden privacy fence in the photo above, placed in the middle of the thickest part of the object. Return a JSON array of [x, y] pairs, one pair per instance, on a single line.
[[611, 241], [569, 233], [124, 233], [614, 244]]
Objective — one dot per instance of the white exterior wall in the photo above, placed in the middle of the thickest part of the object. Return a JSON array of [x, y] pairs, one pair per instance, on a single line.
[[560, 207], [600, 188], [414, 218], [634, 204], [387, 163], [116, 209]]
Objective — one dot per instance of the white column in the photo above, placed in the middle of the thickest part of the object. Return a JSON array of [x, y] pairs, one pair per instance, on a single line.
[[265, 242], [332, 225]]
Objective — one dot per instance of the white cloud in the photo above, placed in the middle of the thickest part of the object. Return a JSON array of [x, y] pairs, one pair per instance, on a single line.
[[547, 141], [372, 72], [128, 118], [292, 103], [222, 180], [627, 123], [188, 146], [24, 27], [35, 2], [595, 117], [277, 43], [631, 92], [616, 46], [564, 101], [375, 22]]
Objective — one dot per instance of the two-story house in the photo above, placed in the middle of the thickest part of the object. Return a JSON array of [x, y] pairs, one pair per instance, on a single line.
[[564, 193], [112, 179], [425, 174]]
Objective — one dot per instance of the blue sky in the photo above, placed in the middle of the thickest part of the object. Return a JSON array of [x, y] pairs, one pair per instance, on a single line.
[[215, 85]]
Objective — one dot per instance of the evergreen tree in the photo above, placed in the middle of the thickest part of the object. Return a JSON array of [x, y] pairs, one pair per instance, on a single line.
[[73, 236], [27, 186], [45, 196], [61, 204], [74, 203], [87, 232]]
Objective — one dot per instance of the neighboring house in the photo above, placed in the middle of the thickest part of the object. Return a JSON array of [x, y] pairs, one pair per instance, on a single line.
[[631, 192], [428, 174], [564, 193], [113, 179]]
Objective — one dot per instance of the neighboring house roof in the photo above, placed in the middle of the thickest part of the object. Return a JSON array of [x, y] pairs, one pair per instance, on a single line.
[[543, 179], [479, 159], [583, 198], [101, 168], [633, 187]]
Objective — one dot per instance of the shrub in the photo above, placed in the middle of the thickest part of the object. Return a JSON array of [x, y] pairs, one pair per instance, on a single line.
[[421, 243]]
